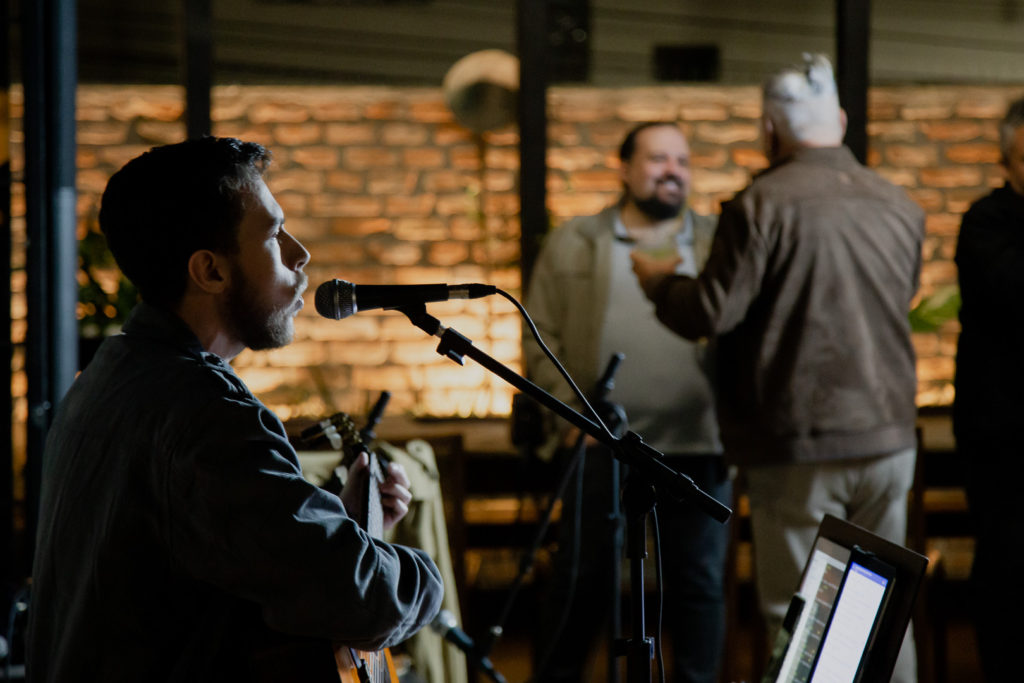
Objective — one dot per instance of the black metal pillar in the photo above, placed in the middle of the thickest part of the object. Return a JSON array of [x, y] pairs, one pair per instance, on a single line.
[[531, 27], [50, 76], [6, 402], [197, 63], [853, 31]]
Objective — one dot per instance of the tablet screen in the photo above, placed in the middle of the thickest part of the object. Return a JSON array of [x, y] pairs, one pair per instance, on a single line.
[[860, 602], [838, 543]]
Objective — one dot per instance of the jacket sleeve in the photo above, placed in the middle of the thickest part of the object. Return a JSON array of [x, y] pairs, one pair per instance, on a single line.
[[547, 303], [716, 300], [548, 299], [240, 516]]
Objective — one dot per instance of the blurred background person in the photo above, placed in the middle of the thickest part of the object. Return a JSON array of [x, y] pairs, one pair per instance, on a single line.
[[807, 292], [588, 306], [988, 401]]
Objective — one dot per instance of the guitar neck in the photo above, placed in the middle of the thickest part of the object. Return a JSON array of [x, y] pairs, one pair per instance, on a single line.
[[355, 666], [372, 517]]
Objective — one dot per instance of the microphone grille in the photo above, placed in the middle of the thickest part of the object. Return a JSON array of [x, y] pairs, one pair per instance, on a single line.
[[335, 299], [444, 621]]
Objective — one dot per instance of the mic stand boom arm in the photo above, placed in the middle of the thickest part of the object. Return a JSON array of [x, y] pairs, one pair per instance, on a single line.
[[629, 449]]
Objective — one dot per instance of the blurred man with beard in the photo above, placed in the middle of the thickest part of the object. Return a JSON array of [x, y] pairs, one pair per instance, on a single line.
[[178, 540], [588, 306]]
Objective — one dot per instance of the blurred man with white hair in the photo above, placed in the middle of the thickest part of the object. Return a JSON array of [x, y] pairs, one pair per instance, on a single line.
[[806, 294]]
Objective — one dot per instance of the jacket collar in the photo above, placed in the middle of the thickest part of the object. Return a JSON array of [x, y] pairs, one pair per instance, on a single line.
[[1009, 196], [605, 223], [825, 156], [150, 322]]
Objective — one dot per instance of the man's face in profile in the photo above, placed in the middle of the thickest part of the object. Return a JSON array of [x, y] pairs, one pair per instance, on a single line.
[[267, 280]]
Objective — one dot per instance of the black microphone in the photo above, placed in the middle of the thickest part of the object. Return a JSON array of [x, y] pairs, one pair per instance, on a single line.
[[337, 299], [446, 625]]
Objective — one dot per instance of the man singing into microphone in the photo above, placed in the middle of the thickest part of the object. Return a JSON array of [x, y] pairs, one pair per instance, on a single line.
[[178, 540]]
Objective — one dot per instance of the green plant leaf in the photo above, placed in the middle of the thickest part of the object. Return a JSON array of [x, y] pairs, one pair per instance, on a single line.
[[934, 310]]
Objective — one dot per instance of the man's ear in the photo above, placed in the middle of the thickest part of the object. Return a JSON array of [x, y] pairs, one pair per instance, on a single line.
[[842, 121], [768, 138], [623, 171], [208, 271]]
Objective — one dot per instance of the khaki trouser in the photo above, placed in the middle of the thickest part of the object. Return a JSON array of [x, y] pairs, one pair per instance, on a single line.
[[787, 504]]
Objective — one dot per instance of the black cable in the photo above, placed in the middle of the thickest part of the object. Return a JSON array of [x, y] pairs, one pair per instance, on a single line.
[[579, 464], [19, 605], [529, 557], [659, 591], [574, 465], [590, 412]]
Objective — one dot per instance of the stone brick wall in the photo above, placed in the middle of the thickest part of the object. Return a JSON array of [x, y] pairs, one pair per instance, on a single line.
[[383, 186]]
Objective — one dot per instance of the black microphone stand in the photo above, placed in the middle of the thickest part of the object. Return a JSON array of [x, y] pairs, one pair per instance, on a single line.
[[646, 467]]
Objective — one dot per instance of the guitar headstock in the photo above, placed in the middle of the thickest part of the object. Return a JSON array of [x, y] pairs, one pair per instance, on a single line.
[[351, 442], [370, 516]]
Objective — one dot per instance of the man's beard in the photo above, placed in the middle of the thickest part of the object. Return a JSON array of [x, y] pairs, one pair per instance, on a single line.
[[658, 209], [254, 323]]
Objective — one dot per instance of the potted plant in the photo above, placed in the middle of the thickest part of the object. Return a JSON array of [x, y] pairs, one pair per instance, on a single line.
[[105, 296]]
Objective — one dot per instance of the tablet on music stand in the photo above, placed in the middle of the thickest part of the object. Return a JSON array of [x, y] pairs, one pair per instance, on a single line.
[[825, 573], [853, 625]]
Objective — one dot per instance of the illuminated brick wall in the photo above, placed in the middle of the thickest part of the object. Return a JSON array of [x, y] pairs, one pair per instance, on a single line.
[[383, 186]]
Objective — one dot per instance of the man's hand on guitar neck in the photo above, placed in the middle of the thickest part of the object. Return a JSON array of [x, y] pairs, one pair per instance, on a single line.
[[394, 490], [395, 495]]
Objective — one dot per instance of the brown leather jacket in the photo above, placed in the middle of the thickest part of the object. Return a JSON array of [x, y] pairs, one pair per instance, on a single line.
[[806, 292]]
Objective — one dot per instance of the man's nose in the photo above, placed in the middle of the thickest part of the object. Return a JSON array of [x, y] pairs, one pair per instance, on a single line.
[[297, 253]]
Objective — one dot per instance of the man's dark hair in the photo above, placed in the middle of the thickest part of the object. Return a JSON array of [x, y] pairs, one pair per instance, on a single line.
[[172, 201], [628, 146]]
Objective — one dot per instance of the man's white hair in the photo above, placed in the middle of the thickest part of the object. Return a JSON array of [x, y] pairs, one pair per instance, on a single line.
[[802, 103]]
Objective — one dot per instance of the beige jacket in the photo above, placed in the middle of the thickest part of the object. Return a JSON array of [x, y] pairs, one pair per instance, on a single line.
[[567, 299]]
